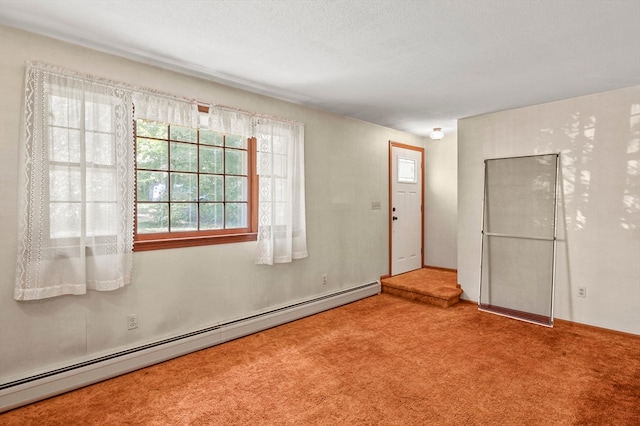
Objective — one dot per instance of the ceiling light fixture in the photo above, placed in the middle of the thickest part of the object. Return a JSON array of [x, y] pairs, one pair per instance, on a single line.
[[437, 134]]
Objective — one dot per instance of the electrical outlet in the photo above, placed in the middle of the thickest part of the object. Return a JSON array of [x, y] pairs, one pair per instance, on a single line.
[[132, 320], [324, 279], [582, 291]]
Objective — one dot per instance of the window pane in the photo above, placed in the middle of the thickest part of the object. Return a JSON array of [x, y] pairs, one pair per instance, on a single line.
[[64, 184], [65, 111], [235, 162], [101, 184], [184, 157], [279, 146], [235, 188], [102, 219], [184, 217], [236, 215], [152, 186], [98, 116], [279, 165], [153, 218], [281, 190], [211, 216], [185, 134], [234, 141], [100, 148], [209, 137], [184, 187], [407, 170], [152, 129], [64, 220], [210, 160], [151, 154], [65, 145], [211, 188]]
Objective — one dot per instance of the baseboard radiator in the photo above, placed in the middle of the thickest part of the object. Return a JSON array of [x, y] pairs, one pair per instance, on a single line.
[[34, 388]]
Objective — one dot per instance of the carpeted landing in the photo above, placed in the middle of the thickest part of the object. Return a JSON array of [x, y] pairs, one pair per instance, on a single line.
[[427, 285]]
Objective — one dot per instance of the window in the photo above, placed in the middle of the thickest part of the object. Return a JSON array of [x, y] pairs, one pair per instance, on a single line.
[[194, 187], [81, 160], [407, 170], [77, 197], [87, 198]]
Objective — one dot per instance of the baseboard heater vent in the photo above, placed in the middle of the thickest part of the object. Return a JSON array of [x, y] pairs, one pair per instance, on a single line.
[[40, 386]]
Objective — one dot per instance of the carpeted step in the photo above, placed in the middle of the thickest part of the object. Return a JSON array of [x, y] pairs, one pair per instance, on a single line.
[[426, 285]]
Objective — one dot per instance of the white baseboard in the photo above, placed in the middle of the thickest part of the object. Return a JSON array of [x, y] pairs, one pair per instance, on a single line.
[[55, 383]]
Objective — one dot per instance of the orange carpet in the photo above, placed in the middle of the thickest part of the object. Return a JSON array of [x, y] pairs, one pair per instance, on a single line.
[[379, 361]]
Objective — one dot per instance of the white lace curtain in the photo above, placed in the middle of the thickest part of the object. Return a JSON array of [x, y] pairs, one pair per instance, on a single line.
[[156, 106], [282, 234], [76, 214], [230, 121], [76, 186]]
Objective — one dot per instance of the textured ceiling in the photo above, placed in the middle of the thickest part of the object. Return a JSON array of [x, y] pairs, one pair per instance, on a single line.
[[408, 65]]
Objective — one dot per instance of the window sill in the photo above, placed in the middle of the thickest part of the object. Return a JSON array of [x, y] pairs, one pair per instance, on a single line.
[[192, 241]]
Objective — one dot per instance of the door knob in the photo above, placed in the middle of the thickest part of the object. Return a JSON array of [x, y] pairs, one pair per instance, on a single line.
[[395, 218]]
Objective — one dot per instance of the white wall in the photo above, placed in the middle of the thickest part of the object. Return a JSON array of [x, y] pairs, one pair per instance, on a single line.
[[598, 137], [441, 201], [181, 290]]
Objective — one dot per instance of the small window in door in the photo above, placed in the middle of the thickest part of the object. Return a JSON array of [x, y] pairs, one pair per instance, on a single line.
[[407, 170]]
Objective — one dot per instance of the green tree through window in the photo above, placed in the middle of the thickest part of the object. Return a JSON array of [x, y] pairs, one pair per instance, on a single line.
[[192, 185]]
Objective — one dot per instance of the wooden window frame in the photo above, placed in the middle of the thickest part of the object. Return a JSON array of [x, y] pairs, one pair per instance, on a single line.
[[168, 240]]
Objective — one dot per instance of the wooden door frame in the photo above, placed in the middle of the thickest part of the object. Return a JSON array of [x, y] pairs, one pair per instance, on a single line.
[[392, 145]]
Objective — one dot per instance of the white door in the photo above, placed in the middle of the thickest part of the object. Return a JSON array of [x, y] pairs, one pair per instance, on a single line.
[[406, 208]]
